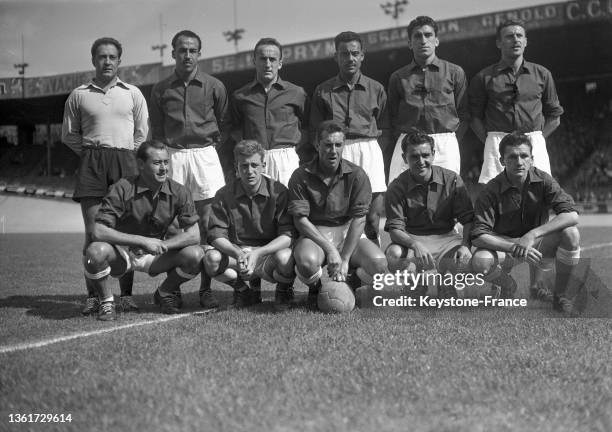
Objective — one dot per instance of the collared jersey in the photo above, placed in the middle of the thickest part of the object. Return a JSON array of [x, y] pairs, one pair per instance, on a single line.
[[363, 110], [250, 221], [189, 115], [503, 209], [347, 196], [117, 118], [432, 98], [427, 209], [132, 208], [507, 103], [272, 118]]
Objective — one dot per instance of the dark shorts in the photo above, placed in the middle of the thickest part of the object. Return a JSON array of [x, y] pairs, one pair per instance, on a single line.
[[99, 168]]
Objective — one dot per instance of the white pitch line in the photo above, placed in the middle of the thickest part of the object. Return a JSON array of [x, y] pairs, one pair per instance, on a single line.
[[25, 346], [596, 246]]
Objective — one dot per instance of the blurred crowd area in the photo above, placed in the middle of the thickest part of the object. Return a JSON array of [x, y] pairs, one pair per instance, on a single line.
[[580, 150]]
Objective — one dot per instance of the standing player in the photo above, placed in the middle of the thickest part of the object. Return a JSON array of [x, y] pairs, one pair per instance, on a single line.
[[130, 227], [422, 206], [329, 198], [429, 94], [513, 95], [511, 221], [359, 103], [251, 231], [104, 123], [189, 112], [271, 111]]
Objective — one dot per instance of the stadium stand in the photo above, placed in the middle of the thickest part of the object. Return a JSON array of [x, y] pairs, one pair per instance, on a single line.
[[580, 149]]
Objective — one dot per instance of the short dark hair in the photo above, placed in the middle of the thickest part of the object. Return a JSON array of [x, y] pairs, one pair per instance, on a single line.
[[248, 148], [508, 23], [514, 139], [329, 127], [189, 34], [421, 21], [268, 41], [105, 41], [416, 137], [347, 36], [142, 152]]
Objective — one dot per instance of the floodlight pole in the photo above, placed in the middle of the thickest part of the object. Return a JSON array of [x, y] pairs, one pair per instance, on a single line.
[[236, 34], [22, 67], [394, 9], [162, 46]]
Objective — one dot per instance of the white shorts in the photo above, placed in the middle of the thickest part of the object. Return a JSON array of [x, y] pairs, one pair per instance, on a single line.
[[447, 154], [135, 260], [198, 169], [280, 164], [367, 154], [438, 245], [336, 234], [491, 166], [260, 265]]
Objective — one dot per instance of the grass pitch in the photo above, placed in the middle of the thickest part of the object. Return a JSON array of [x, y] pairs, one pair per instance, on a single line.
[[256, 370]]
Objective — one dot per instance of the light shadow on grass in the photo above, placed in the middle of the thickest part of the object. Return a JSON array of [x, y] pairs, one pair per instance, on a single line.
[[68, 307]]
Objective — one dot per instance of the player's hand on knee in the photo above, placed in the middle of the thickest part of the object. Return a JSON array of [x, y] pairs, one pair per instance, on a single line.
[[533, 256], [154, 246], [422, 256], [334, 262], [250, 260], [242, 265], [518, 251], [463, 255], [340, 276], [527, 241]]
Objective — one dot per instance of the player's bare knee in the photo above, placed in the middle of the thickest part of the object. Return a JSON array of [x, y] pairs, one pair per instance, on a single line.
[[394, 252], [97, 254], [307, 267], [483, 261], [283, 260], [399, 258], [570, 238], [284, 257], [191, 258], [307, 261], [212, 261]]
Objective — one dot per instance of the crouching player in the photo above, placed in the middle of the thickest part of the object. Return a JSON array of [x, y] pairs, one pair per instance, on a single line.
[[329, 199], [422, 205], [250, 230], [130, 225], [511, 222]]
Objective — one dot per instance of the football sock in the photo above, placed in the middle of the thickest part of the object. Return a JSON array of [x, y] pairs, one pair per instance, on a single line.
[[564, 264], [309, 280], [313, 289], [175, 278], [238, 284], [282, 279], [99, 282], [91, 289], [126, 283], [205, 282]]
